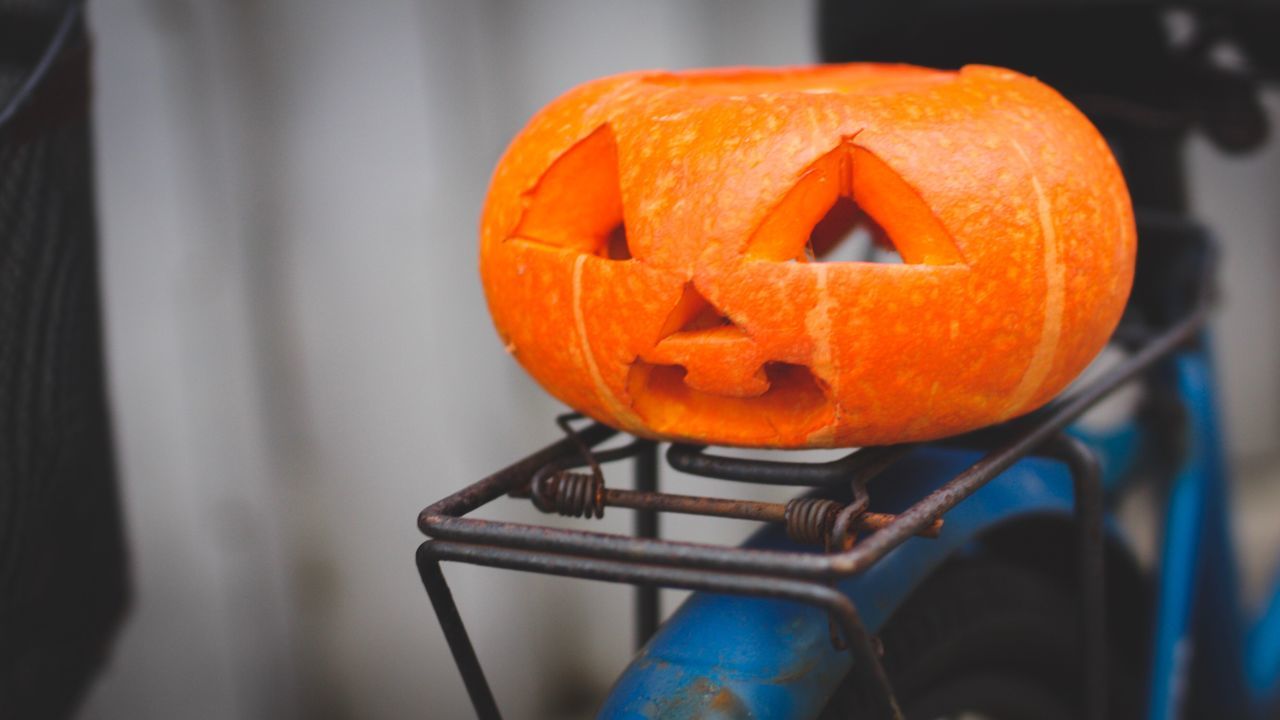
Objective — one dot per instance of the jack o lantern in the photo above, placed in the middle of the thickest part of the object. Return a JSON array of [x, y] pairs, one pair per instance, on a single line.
[[662, 251]]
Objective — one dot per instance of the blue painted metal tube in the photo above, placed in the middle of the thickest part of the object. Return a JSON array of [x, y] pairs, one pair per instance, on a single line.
[[1220, 620], [722, 656], [1179, 565], [1262, 662], [1198, 614]]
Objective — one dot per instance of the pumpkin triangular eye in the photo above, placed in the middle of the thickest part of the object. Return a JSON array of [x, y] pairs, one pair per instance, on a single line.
[[577, 203], [847, 190], [848, 234]]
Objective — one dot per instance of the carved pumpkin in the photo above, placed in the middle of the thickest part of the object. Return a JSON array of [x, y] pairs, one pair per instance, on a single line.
[[652, 251]]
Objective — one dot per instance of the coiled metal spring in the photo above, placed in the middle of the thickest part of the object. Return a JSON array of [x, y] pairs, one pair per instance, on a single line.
[[809, 520], [574, 494]]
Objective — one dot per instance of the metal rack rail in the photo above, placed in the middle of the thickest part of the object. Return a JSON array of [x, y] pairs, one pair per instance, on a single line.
[[852, 537]]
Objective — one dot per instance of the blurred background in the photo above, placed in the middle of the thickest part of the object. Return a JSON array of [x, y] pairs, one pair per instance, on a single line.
[[300, 359]]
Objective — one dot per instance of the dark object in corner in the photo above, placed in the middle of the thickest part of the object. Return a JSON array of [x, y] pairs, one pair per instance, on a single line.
[[62, 564]]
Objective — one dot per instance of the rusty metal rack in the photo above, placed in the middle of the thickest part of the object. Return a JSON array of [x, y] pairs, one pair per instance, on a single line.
[[549, 480]]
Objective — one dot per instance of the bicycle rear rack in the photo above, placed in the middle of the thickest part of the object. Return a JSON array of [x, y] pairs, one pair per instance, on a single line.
[[649, 563]]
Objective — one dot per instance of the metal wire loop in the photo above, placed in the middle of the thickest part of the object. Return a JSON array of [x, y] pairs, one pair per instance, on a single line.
[[564, 421], [843, 533]]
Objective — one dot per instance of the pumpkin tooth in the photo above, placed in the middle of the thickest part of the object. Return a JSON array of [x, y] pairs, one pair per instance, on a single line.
[[723, 360]]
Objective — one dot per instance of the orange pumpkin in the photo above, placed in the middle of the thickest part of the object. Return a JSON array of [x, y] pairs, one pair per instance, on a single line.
[[652, 246]]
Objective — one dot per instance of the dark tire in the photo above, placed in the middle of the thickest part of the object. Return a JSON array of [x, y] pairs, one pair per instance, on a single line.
[[982, 638]]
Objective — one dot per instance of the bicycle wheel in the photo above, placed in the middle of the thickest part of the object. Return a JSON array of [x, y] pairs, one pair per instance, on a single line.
[[984, 639]]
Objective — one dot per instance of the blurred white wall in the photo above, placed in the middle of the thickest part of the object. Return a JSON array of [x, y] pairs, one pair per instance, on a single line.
[[209, 635], [301, 358], [1236, 196]]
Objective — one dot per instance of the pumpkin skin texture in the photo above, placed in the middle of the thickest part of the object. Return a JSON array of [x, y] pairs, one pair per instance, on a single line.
[[645, 252]]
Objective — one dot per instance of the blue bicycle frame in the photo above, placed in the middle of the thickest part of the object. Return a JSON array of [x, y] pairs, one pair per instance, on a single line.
[[734, 656]]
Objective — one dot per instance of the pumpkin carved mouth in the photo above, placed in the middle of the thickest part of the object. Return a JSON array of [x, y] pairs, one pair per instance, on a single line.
[[670, 253], [793, 397]]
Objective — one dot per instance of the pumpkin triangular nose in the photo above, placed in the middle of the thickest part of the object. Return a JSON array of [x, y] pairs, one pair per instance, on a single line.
[[692, 312], [717, 355]]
